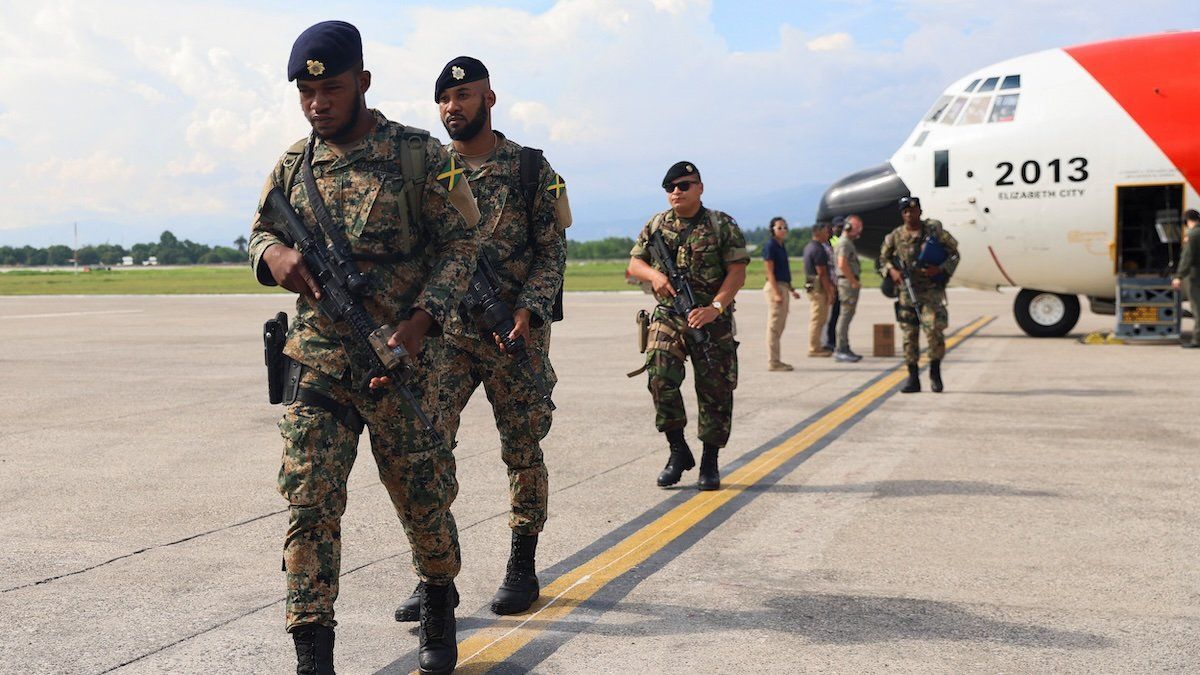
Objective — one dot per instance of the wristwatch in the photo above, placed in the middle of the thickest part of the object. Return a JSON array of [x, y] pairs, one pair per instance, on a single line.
[[719, 306]]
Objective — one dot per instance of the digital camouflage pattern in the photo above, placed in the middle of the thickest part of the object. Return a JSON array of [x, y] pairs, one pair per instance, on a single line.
[[436, 257], [900, 246], [522, 419], [529, 257], [363, 191], [713, 242], [317, 457]]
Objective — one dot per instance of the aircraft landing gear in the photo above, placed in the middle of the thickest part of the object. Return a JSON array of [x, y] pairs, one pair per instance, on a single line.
[[1044, 314]]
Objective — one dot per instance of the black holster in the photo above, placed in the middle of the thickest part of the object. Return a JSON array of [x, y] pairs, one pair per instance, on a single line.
[[274, 337]]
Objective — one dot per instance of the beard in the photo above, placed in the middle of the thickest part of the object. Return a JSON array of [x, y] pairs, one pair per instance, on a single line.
[[345, 129], [472, 127]]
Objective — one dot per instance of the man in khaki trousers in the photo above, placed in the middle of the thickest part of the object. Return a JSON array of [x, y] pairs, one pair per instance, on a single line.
[[778, 290], [820, 288]]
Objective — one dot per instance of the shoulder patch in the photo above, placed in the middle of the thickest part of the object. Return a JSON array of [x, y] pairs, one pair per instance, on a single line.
[[451, 175], [557, 186]]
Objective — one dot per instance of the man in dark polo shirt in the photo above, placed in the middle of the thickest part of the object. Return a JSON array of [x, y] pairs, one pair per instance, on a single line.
[[778, 290]]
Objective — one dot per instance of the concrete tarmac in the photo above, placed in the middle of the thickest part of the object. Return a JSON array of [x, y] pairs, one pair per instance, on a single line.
[[1040, 515]]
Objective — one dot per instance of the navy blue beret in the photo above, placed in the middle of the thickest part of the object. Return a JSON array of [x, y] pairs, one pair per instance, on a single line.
[[326, 49], [906, 202], [460, 70], [679, 170]]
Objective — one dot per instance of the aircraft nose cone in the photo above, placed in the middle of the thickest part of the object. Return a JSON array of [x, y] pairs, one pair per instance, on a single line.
[[872, 194]]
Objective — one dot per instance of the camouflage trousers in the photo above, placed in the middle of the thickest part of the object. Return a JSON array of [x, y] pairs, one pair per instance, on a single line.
[[521, 418], [319, 452], [933, 319], [716, 376]]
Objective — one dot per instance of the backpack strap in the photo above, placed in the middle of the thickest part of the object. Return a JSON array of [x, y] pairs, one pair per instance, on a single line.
[[412, 171], [291, 164], [531, 168]]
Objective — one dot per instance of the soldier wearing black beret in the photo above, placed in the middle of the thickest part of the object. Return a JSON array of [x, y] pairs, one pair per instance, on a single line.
[[372, 184], [523, 205], [708, 246]]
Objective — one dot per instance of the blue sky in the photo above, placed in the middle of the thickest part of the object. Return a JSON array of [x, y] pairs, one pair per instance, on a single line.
[[134, 117]]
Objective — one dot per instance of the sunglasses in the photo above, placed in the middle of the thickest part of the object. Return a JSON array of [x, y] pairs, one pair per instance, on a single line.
[[683, 186]]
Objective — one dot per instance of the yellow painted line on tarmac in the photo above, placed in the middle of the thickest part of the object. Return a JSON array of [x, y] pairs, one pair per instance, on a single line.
[[492, 645]]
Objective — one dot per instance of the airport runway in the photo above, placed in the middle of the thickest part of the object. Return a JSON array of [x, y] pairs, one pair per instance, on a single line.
[[1041, 515]]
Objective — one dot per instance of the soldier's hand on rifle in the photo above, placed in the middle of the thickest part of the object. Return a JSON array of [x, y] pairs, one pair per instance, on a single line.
[[895, 274], [702, 316], [521, 319], [662, 285], [288, 268], [409, 334]]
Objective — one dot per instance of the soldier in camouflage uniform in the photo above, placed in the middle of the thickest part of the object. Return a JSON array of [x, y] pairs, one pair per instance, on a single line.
[[522, 233], [900, 252], [710, 246], [416, 246]]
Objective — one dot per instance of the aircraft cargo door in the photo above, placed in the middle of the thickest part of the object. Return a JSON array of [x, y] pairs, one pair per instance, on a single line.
[[1147, 251]]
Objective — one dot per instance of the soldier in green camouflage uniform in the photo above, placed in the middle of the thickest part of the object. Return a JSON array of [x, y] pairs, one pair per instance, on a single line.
[[901, 248], [710, 246], [417, 248], [525, 242]]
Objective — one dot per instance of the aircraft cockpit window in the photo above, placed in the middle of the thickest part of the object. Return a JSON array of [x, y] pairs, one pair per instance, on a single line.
[[1005, 108], [976, 110], [937, 108], [989, 84], [954, 109], [1011, 82], [971, 87]]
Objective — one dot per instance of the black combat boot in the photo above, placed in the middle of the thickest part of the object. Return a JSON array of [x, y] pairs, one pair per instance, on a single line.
[[681, 459], [935, 376], [438, 652], [710, 477], [314, 649], [410, 609], [520, 586], [913, 384]]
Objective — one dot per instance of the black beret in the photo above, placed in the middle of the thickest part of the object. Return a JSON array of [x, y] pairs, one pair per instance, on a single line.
[[679, 170], [906, 202], [460, 70], [326, 49]]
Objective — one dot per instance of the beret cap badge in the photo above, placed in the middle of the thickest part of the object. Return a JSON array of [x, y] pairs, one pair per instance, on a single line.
[[315, 68], [458, 72]]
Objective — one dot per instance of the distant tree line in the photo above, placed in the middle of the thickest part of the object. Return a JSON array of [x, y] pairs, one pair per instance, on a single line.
[[617, 248], [169, 250]]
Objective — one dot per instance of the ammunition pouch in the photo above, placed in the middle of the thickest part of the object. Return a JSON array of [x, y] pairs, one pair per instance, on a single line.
[[643, 324]]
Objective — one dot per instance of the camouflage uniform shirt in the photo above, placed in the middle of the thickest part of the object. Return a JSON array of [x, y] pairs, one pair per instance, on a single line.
[[713, 243], [426, 264]]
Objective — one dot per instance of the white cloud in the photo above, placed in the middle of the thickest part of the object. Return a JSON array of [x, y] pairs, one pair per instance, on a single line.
[[170, 110], [830, 43]]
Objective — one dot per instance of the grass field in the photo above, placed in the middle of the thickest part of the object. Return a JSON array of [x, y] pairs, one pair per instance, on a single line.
[[584, 275]]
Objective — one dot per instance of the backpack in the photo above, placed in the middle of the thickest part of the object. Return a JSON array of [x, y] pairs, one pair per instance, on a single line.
[[531, 167]]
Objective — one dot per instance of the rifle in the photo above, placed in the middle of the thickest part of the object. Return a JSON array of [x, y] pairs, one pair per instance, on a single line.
[[906, 272], [684, 301], [482, 302], [339, 302]]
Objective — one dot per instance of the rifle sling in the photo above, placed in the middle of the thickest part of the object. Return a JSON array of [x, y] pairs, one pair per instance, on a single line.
[[324, 220]]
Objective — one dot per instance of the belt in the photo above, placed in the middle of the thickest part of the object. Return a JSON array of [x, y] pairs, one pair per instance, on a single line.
[[345, 414]]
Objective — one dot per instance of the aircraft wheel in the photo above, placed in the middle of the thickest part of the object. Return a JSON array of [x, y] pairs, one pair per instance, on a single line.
[[1044, 314]]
